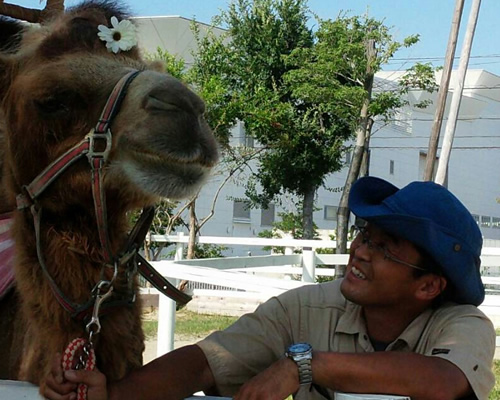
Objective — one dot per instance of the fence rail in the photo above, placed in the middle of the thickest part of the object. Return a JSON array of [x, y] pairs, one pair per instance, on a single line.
[[262, 277], [255, 277]]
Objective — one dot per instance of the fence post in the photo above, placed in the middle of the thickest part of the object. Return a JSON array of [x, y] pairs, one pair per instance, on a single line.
[[308, 264], [166, 313]]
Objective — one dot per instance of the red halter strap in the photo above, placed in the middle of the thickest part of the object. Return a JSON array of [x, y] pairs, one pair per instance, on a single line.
[[96, 146], [97, 158], [97, 154]]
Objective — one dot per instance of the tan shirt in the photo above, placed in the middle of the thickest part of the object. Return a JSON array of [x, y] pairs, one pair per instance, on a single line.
[[320, 315]]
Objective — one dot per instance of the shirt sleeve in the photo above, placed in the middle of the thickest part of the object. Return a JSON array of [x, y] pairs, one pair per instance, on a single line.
[[468, 341], [248, 346]]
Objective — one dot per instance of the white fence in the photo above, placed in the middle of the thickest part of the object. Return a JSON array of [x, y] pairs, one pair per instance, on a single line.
[[255, 276], [265, 276]]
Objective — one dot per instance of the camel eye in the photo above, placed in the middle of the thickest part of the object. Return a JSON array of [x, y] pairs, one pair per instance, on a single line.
[[51, 106]]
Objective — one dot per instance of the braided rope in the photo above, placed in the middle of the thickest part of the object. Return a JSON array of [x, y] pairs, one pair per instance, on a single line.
[[73, 357]]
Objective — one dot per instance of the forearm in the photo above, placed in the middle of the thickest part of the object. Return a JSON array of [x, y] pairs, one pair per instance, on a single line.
[[173, 376], [414, 375]]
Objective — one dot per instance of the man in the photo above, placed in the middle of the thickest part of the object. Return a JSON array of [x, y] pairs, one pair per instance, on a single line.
[[403, 320]]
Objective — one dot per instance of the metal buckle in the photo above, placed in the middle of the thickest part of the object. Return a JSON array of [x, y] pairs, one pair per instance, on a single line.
[[94, 326], [95, 139]]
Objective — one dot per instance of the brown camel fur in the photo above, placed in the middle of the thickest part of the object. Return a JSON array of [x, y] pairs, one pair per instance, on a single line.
[[53, 89]]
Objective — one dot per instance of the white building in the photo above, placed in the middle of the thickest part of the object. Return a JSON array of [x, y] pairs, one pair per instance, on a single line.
[[398, 150]]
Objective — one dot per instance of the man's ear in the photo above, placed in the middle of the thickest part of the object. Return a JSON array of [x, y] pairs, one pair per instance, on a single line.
[[430, 286]]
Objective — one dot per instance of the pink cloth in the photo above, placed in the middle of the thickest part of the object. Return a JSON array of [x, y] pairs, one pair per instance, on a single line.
[[6, 254]]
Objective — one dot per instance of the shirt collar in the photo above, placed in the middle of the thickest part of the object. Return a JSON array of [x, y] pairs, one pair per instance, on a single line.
[[352, 322]]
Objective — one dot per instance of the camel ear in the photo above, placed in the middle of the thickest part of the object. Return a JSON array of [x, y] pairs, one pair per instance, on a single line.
[[157, 65]]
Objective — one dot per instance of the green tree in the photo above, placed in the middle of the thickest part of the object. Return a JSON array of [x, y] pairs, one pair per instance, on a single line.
[[362, 45], [300, 131], [290, 223]]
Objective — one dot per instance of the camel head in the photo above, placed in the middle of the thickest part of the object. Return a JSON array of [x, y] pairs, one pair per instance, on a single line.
[[53, 90]]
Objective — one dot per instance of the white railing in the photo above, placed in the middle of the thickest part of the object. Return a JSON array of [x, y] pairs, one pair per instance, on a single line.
[[241, 273], [235, 272]]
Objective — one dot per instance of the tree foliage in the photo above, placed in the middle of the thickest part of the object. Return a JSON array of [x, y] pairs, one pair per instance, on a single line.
[[265, 63], [368, 45]]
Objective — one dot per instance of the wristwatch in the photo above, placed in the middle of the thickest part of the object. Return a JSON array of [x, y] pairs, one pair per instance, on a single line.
[[301, 354]]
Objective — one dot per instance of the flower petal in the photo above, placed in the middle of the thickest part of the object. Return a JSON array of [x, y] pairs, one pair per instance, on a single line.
[[115, 47], [124, 30], [103, 28], [114, 22]]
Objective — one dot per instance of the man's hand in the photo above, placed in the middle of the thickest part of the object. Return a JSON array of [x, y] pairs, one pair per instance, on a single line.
[[62, 385], [274, 383]]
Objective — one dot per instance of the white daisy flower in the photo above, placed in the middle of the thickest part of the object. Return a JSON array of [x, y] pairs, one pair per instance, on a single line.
[[120, 37]]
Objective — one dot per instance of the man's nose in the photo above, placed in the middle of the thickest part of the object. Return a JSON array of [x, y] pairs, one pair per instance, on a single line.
[[360, 248]]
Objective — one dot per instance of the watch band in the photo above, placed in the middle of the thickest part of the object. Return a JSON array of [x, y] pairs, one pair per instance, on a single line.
[[301, 354], [305, 371]]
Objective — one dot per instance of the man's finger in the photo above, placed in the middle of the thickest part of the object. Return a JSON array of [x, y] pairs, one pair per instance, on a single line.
[[89, 378], [56, 369], [61, 388], [52, 395]]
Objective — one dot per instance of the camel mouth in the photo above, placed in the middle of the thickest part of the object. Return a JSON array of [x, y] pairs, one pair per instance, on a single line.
[[194, 158], [158, 151], [166, 179]]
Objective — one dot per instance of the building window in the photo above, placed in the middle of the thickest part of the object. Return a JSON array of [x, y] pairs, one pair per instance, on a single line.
[[476, 218], [391, 167], [403, 121], [348, 155], [330, 213], [422, 163], [241, 211], [495, 222], [485, 221], [246, 140], [267, 216]]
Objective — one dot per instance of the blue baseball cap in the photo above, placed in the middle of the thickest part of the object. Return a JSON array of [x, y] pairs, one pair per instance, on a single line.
[[431, 217]]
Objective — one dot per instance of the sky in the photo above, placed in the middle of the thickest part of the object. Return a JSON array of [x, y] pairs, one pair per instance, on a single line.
[[429, 18]]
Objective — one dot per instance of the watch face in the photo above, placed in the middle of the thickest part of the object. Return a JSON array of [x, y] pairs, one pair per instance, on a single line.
[[299, 348]]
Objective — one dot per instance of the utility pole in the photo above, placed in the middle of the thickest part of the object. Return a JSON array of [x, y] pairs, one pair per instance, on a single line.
[[443, 90], [449, 133]]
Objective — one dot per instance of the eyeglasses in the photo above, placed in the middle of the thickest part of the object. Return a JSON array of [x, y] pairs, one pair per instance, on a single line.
[[365, 239]]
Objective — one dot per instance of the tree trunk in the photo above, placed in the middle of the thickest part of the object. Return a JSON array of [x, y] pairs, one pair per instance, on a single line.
[[21, 13], [307, 214], [52, 8], [354, 168], [365, 163], [192, 230]]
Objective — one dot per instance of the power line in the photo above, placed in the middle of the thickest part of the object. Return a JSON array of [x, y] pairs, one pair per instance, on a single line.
[[442, 58], [425, 147], [427, 137]]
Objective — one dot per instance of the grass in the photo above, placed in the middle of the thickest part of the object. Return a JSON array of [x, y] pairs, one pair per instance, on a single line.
[[191, 324], [495, 393]]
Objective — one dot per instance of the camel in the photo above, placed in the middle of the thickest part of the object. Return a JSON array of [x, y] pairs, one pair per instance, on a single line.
[[122, 148]]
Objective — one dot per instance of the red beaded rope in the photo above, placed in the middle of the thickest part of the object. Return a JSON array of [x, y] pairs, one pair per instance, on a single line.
[[71, 359]]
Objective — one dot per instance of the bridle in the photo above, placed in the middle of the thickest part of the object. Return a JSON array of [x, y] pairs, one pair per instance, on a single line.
[[96, 147]]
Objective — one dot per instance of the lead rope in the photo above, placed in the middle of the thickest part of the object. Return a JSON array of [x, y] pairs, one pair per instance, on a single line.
[[80, 354], [85, 360]]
